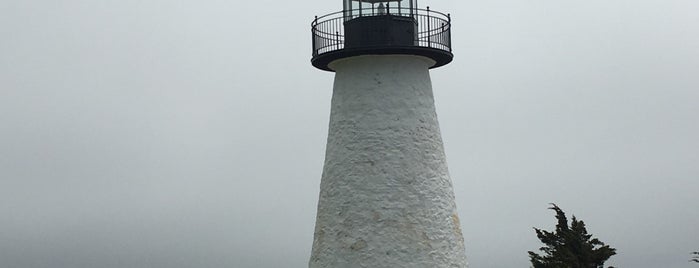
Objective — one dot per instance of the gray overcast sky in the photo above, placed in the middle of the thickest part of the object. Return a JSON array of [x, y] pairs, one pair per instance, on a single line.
[[191, 133]]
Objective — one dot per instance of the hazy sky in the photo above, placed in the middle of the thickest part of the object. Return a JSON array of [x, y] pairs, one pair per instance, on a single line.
[[191, 133]]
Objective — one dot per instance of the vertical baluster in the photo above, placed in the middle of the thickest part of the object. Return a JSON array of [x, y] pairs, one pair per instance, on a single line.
[[424, 26], [313, 35], [327, 34], [337, 36], [424, 30], [441, 36], [341, 31]]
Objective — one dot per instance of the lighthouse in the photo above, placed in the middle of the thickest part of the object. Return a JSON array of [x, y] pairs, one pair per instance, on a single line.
[[386, 198]]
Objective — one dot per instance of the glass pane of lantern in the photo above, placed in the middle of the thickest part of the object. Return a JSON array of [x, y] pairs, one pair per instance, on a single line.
[[403, 7], [357, 8]]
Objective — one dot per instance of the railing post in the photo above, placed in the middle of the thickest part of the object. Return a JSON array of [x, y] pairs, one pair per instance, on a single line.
[[429, 30], [313, 36], [337, 39], [441, 36], [449, 35]]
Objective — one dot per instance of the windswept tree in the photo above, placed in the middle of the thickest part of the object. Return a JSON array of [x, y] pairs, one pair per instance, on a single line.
[[569, 246]]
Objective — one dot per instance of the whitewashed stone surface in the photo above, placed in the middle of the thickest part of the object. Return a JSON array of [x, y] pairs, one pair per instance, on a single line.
[[386, 199]]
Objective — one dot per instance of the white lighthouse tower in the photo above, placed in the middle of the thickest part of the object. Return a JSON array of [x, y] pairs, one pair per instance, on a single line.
[[386, 199]]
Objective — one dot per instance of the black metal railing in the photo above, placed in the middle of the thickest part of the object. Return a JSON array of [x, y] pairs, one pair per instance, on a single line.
[[433, 28]]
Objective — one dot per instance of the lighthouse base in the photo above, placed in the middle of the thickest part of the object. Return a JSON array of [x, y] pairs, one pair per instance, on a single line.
[[386, 199]]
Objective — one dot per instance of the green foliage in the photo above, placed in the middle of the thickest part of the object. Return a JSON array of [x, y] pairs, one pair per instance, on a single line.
[[570, 246]]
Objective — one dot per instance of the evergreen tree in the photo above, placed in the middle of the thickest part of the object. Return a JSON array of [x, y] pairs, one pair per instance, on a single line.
[[570, 246], [695, 257]]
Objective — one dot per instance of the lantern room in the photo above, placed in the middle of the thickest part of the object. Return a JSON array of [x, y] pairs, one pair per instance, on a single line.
[[358, 8]]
